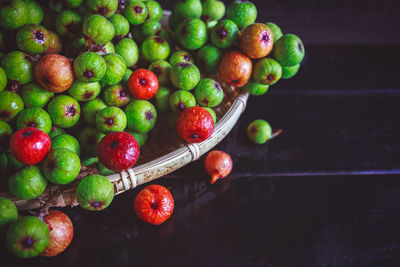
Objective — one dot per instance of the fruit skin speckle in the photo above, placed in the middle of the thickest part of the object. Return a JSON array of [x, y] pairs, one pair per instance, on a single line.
[[195, 124], [154, 204]]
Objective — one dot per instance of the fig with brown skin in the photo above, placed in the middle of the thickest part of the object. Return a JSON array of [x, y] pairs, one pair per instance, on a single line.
[[235, 68], [257, 40], [54, 72]]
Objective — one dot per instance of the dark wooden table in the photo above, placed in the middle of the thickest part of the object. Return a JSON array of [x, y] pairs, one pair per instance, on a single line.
[[324, 193]]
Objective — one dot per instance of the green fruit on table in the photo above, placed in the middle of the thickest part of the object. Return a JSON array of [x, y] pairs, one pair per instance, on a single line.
[[136, 12], [56, 131], [128, 50], [224, 34], [155, 48], [185, 76], [141, 116], [180, 100], [289, 72], [154, 9], [34, 117], [243, 13], [33, 39], [89, 138], [13, 163], [150, 27], [13, 14], [115, 69], [162, 70], [67, 21], [61, 166], [95, 192], [213, 115], [208, 93], [98, 29], [27, 183], [209, 58], [66, 141], [192, 34], [259, 131], [10, 105], [267, 71], [89, 67], [254, 88], [83, 91], [18, 66], [288, 50], [90, 109], [34, 95], [8, 212], [213, 10], [3, 79], [116, 95], [141, 138], [64, 111], [105, 8], [181, 57], [162, 99], [35, 12], [121, 25], [111, 119], [276, 31], [27, 237]]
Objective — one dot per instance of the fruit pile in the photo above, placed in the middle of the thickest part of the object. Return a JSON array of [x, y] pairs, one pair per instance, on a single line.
[[83, 82]]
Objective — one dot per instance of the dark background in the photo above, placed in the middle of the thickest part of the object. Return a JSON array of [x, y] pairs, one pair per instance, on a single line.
[[324, 193]]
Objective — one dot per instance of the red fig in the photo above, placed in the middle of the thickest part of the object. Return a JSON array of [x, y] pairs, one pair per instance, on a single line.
[[235, 68], [218, 164], [195, 124]]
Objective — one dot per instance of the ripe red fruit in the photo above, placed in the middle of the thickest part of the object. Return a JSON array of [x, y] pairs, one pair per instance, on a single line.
[[61, 232], [54, 72], [30, 145], [218, 164], [154, 204], [143, 84], [235, 68], [257, 40], [118, 151], [195, 124]]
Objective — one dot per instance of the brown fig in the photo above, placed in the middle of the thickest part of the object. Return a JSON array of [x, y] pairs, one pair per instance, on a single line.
[[256, 40], [235, 68]]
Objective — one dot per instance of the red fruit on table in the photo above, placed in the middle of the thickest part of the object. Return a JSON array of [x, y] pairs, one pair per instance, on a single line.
[[235, 68], [118, 151], [61, 232], [256, 40], [195, 124], [143, 84], [154, 204], [218, 164], [54, 72], [30, 145]]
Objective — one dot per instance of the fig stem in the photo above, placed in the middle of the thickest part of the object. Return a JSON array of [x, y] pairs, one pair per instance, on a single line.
[[276, 133], [215, 175]]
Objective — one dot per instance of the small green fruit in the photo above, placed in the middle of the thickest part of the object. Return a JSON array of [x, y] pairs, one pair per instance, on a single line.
[[254, 88], [56, 131], [72, 3], [151, 27], [180, 100], [121, 25], [154, 9], [13, 14], [224, 34], [209, 58], [188, 9], [276, 31], [95, 192], [34, 117], [61, 166], [289, 72], [181, 57], [162, 99], [34, 95], [35, 12], [259, 131], [90, 109], [8, 212], [89, 138], [28, 183], [83, 91], [162, 70], [104, 8], [33, 39], [213, 115], [66, 141], [136, 12], [67, 22], [115, 69], [243, 13], [267, 71], [64, 111], [89, 67], [208, 93], [141, 116], [213, 10], [128, 50], [98, 29], [192, 34], [27, 237], [185, 76], [10, 105], [155, 48], [111, 119], [117, 96], [288, 50], [127, 74], [18, 66]]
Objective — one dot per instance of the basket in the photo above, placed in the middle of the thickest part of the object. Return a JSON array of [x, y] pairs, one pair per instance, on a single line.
[[159, 156]]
